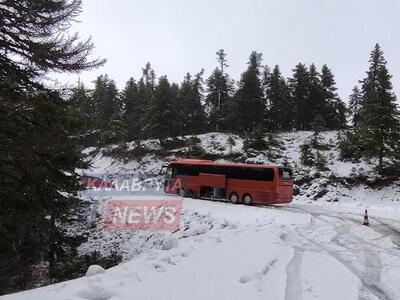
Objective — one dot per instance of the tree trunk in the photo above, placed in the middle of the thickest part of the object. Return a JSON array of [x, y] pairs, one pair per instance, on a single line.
[[380, 164], [381, 151]]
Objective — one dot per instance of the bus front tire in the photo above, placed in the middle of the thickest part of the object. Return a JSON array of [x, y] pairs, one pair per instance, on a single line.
[[247, 199], [180, 192], [234, 198], [189, 193]]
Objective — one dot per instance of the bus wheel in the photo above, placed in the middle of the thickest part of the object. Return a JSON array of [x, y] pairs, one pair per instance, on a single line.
[[234, 198], [247, 199], [180, 192], [189, 193]]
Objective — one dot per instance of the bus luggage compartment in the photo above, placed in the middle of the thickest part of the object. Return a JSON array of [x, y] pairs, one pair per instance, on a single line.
[[212, 180]]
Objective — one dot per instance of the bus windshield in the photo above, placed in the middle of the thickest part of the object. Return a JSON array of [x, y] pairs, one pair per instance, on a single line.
[[285, 173], [170, 173]]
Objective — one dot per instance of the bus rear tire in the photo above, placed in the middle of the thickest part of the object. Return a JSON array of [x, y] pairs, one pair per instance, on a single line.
[[247, 199], [234, 198]]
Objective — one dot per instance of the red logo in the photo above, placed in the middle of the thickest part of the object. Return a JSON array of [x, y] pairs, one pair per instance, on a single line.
[[137, 214]]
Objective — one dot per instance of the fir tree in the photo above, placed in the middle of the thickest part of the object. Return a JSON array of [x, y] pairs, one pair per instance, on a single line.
[[320, 161], [146, 87], [196, 116], [177, 112], [299, 87], [133, 109], [116, 131], [280, 107], [105, 98], [31, 44], [192, 116], [350, 145], [355, 104], [219, 89], [307, 156], [379, 125], [319, 125], [334, 109], [249, 106], [255, 140], [184, 95], [161, 112], [315, 100], [39, 138], [221, 57], [194, 147], [81, 100]]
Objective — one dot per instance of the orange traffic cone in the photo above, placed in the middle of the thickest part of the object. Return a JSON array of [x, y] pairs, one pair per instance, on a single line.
[[366, 221]]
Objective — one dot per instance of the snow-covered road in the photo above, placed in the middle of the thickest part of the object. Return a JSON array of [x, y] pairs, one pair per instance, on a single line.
[[370, 254], [299, 251]]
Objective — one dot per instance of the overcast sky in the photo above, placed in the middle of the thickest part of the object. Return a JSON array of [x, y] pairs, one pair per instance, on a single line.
[[179, 36]]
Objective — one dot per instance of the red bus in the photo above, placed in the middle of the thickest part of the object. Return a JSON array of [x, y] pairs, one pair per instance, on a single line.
[[237, 183]]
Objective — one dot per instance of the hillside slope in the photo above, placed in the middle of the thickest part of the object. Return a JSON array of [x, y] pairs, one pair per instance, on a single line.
[[313, 248], [343, 180]]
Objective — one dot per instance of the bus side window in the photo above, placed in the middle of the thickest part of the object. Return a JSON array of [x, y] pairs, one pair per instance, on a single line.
[[268, 174], [189, 170]]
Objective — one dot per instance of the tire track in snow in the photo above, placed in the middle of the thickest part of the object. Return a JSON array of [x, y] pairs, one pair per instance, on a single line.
[[350, 256], [364, 253], [294, 286], [361, 251]]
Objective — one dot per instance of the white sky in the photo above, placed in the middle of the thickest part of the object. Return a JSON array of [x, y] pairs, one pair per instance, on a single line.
[[179, 36]]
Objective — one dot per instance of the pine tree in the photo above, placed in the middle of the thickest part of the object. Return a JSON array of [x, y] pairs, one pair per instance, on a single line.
[[355, 104], [149, 76], [280, 106], [219, 94], [350, 145], [105, 98], [379, 125], [299, 87], [320, 161], [184, 95], [133, 109], [39, 146], [334, 109], [176, 121], [31, 44], [307, 156], [315, 101], [219, 90], [255, 140], [81, 100], [319, 125], [116, 131], [196, 116], [161, 112], [249, 106], [146, 86], [221, 57]]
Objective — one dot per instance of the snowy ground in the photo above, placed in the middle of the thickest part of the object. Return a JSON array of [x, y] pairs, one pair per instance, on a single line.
[[304, 250], [224, 251]]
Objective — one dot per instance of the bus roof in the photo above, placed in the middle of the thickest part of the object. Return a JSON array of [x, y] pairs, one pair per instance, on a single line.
[[213, 163]]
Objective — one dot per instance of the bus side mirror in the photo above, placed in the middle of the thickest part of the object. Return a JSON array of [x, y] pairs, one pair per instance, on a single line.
[[163, 170]]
